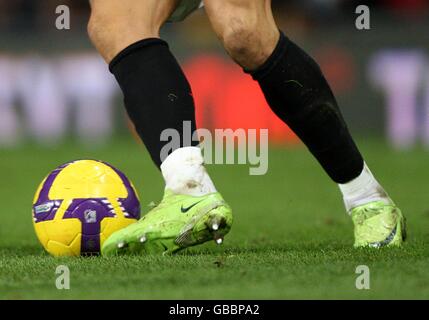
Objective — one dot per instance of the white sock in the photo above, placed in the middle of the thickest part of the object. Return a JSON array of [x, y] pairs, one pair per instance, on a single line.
[[184, 173], [362, 190]]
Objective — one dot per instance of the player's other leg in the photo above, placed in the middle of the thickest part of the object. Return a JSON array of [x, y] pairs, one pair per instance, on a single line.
[[158, 96], [298, 93]]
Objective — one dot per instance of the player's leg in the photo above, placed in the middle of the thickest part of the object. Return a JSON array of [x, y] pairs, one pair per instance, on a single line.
[[156, 92], [298, 93], [157, 97]]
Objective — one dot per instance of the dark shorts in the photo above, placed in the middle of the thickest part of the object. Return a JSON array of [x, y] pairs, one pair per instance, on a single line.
[[185, 8]]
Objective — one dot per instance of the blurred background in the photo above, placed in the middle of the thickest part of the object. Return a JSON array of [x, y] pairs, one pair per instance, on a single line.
[[54, 87], [291, 234]]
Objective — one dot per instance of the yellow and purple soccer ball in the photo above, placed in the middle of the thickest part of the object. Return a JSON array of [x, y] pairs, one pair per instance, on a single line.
[[80, 204]]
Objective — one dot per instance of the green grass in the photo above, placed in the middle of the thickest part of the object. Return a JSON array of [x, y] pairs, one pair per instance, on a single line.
[[291, 237]]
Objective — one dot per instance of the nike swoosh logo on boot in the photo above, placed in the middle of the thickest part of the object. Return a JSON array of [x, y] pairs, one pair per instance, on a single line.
[[184, 210]]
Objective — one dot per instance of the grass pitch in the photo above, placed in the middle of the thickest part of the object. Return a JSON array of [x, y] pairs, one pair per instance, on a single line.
[[291, 238]]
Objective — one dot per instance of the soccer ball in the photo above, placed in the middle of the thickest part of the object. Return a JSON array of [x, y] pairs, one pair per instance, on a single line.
[[80, 204]]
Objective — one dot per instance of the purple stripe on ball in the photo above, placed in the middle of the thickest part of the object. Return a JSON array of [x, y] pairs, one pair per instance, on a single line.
[[90, 213], [44, 192], [45, 209], [130, 204]]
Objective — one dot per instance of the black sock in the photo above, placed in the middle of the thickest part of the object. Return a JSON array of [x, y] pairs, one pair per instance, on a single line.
[[298, 93], [157, 94]]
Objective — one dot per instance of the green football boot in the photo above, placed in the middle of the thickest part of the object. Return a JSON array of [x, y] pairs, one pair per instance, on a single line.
[[378, 225], [178, 222]]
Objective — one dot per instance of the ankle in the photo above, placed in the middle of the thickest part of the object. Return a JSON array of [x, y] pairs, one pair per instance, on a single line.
[[184, 173], [362, 190]]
